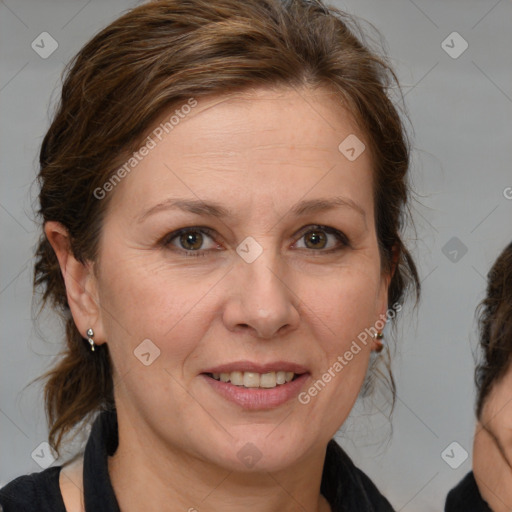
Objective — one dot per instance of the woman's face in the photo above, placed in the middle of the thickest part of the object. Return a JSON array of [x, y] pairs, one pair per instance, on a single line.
[[278, 270]]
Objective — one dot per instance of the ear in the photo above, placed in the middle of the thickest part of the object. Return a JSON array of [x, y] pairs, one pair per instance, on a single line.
[[386, 280], [80, 281], [382, 300]]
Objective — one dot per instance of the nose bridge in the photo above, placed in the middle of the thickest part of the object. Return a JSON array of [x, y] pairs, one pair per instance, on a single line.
[[260, 280], [265, 302]]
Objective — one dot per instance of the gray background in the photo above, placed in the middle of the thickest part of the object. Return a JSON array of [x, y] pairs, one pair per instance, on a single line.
[[461, 110]]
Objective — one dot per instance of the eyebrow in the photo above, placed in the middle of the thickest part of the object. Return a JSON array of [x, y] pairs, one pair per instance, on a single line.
[[213, 209]]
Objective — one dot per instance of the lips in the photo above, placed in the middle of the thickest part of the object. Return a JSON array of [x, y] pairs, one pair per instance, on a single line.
[[257, 399], [257, 386], [249, 366]]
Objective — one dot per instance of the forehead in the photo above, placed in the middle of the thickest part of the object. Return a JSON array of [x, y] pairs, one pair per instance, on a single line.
[[267, 119], [263, 145]]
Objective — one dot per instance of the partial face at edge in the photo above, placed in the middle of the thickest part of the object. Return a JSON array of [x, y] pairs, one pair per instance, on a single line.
[[298, 291]]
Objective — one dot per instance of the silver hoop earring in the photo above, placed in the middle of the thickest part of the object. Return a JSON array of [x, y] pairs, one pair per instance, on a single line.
[[90, 334]]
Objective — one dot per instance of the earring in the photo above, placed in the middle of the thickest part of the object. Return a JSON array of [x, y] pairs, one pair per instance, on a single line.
[[90, 334], [379, 345]]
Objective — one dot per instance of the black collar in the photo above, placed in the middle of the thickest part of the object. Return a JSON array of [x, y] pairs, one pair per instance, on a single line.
[[103, 441], [345, 487]]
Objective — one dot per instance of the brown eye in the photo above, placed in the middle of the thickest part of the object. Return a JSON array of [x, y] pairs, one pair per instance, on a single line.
[[315, 240], [322, 239], [191, 241]]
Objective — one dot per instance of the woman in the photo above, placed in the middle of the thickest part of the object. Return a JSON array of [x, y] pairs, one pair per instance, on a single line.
[[222, 191], [489, 485]]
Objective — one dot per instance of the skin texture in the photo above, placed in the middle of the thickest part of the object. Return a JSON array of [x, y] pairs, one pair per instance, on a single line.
[[71, 485], [492, 447], [257, 154]]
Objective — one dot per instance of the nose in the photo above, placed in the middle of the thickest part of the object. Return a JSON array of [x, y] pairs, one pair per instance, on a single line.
[[261, 299]]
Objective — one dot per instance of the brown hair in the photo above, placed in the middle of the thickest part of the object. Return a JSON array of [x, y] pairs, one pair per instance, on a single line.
[[495, 325], [161, 54]]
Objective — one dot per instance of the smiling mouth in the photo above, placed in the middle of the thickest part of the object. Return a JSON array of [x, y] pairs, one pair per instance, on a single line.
[[268, 380]]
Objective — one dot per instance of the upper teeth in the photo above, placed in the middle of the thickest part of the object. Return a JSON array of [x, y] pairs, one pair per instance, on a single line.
[[255, 380]]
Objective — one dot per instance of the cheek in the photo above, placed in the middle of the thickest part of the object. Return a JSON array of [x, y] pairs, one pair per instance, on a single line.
[[343, 314], [347, 305], [140, 301]]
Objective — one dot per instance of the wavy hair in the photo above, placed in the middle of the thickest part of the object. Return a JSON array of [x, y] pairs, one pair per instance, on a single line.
[[157, 56]]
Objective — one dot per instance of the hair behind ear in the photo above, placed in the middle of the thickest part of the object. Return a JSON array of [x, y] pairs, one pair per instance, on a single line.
[[77, 386]]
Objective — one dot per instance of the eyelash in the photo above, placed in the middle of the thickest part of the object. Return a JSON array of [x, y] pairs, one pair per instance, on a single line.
[[166, 241]]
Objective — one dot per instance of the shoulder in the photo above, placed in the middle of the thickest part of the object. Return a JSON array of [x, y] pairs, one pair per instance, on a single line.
[[37, 491], [465, 497], [347, 486]]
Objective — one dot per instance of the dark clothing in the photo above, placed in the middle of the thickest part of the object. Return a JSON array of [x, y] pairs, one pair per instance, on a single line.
[[345, 487], [465, 497]]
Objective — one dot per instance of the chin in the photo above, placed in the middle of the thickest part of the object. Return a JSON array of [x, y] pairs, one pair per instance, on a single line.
[[257, 451]]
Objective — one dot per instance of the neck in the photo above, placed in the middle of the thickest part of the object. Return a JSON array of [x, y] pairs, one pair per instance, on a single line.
[[492, 471], [146, 476]]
